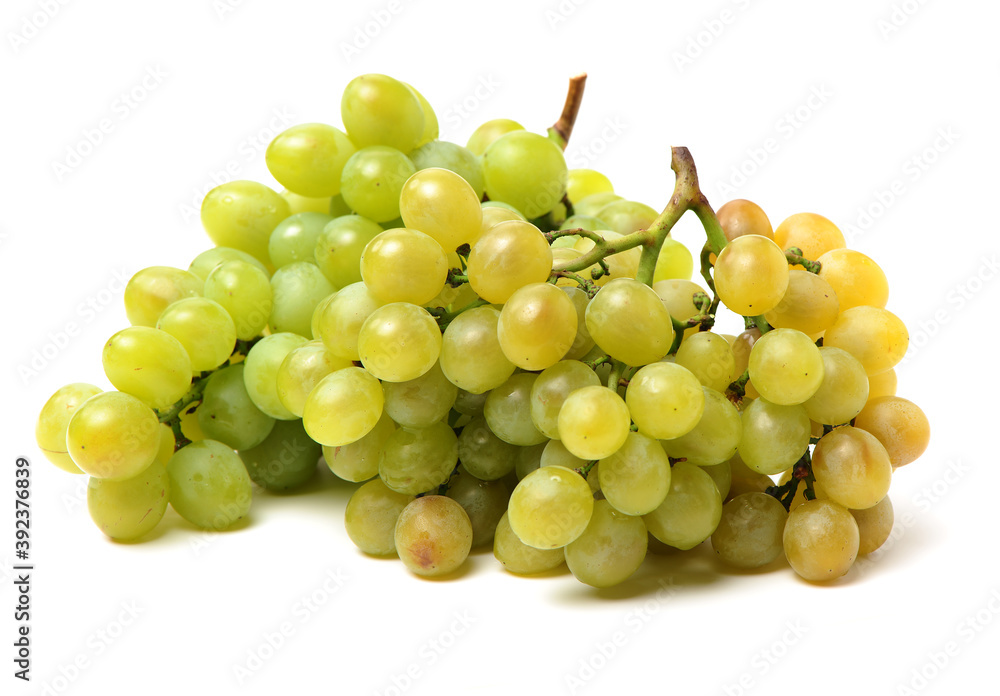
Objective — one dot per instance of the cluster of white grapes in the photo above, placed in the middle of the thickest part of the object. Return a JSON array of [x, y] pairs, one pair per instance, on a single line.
[[472, 334]]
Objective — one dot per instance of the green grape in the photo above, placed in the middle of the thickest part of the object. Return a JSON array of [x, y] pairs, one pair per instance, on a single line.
[[301, 370], [508, 411], [900, 425], [149, 364], [338, 249], [774, 437], [371, 515], [241, 214], [495, 214], [554, 453], [786, 366], [404, 265], [853, 467], [152, 289], [592, 204], [338, 208], [306, 204], [485, 134], [611, 548], [485, 502], [343, 316], [469, 404], [445, 155], [358, 461], [203, 327], [550, 390], [874, 525], [379, 110], [506, 257], [285, 460], [636, 478], [550, 507], [113, 435], [813, 234], [750, 530], [260, 374], [308, 158], [343, 407], [442, 204], [399, 342], [483, 454], [294, 239], [420, 402], [665, 400], [673, 262], [526, 170], [809, 305], [691, 510], [373, 179], [581, 183], [297, 288], [844, 389], [583, 341], [593, 422], [710, 358], [50, 429], [128, 509], [417, 460], [227, 413], [714, 439], [517, 557], [210, 259], [722, 475], [625, 217], [875, 336], [677, 296], [751, 275], [527, 460], [431, 129], [538, 325], [740, 217], [209, 486], [245, 292], [629, 322], [821, 540], [433, 536], [855, 278]]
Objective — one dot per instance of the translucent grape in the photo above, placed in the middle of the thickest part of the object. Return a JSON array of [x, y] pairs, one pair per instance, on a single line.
[[442, 204], [774, 436], [550, 507], [750, 530], [856, 279], [50, 429], [550, 390], [445, 155], [260, 373], [485, 134], [899, 424], [517, 557], [227, 413], [469, 404], [593, 422], [209, 486], [665, 400], [506, 257], [371, 515], [485, 502], [379, 110], [690, 512], [204, 328], [741, 217], [554, 453], [297, 288], [285, 460], [245, 293], [433, 536], [853, 467], [874, 525], [373, 179], [809, 305], [508, 411], [358, 461], [709, 358], [241, 214], [882, 384], [629, 322], [624, 216], [592, 204], [420, 402], [338, 248], [580, 183], [636, 478], [722, 475], [483, 454], [537, 326], [149, 364], [399, 342], [471, 356], [610, 549], [494, 215], [308, 158], [526, 170], [844, 389], [714, 438], [129, 509], [751, 275], [294, 239], [112, 435], [343, 316], [431, 129], [812, 233], [821, 540], [301, 370], [583, 341], [417, 460], [152, 289], [674, 261], [786, 366], [208, 260], [404, 265], [876, 337], [306, 204], [343, 407]]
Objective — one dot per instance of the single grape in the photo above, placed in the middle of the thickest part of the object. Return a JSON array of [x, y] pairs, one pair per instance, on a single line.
[[538, 325], [526, 170], [341, 318], [228, 414], [610, 549], [636, 478], [440, 203], [508, 411], [583, 341], [339, 247], [774, 436], [417, 460], [876, 337], [129, 509], [404, 265], [809, 305], [245, 293], [149, 364], [210, 259], [709, 358], [899, 424], [445, 155], [665, 400], [715, 437], [420, 402], [629, 322], [517, 557], [740, 217], [285, 460], [550, 507], [485, 502], [852, 466], [297, 289], [343, 407], [241, 214], [433, 536], [592, 203], [209, 486], [371, 515], [750, 530], [812, 233], [581, 183], [399, 342], [260, 373], [624, 216], [152, 289], [508, 256], [50, 429], [372, 180], [294, 239], [856, 279], [306, 204], [874, 525], [751, 275], [882, 384], [786, 366], [691, 510], [203, 327], [677, 297], [301, 370], [550, 390], [844, 389], [485, 134], [471, 356], [358, 460], [821, 540], [673, 261], [483, 454], [308, 158], [379, 110], [593, 422]]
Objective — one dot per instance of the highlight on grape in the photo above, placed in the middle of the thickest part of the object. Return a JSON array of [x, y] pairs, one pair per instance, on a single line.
[[500, 350]]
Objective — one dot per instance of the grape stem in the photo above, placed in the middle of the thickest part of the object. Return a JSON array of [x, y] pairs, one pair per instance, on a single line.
[[584, 470], [801, 472], [761, 323], [560, 131], [189, 401], [738, 389], [444, 317], [794, 256], [704, 319]]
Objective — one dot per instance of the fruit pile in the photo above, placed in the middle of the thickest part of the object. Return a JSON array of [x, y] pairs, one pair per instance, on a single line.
[[500, 351]]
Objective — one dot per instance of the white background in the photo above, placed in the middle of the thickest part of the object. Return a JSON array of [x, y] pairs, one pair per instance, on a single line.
[[874, 85]]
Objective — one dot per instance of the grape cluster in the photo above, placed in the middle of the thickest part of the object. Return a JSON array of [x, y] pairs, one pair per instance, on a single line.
[[500, 351]]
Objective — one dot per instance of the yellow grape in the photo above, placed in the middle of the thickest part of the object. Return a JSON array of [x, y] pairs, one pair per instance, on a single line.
[[812, 233], [809, 305], [343, 407], [899, 424], [442, 204], [856, 279], [399, 342], [751, 275], [593, 422], [404, 265], [506, 257], [875, 336], [538, 325], [628, 320]]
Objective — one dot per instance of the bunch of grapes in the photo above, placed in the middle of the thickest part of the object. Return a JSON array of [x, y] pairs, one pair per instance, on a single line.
[[500, 351]]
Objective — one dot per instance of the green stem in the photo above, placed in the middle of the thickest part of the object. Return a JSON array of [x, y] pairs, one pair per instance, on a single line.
[[597, 362], [617, 369], [761, 323], [584, 470], [456, 276], [444, 317], [795, 257]]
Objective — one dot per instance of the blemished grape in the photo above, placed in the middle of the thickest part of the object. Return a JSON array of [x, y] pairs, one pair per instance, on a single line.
[[433, 535], [526, 170], [899, 424], [242, 214], [691, 510], [286, 459], [517, 557], [308, 159], [50, 429], [821, 540], [209, 486], [371, 515], [130, 508], [550, 507], [610, 549], [751, 275], [294, 239], [750, 530], [339, 246], [538, 326], [875, 336], [404, 265], [380, 110], [152, 289], [149, 364]]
